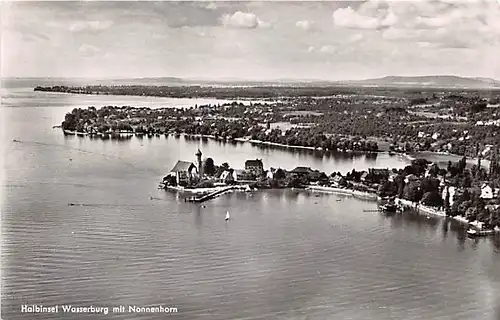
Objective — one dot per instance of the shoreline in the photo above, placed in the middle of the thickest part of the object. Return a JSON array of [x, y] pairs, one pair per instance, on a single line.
[[408, 156], [419, 208], [227, 100], [364, 195], [243, 140], [287, 146]]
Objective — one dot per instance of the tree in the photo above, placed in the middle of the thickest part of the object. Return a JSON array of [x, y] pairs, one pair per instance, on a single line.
[[478, 203], [461, 164], [279, 174], [466, 181], [387, 189], [447, 200], [70, 122], [429, 185], [209, 167], [170, 180], [432, 198], [471, 213], [466, 195], [323, 177], [412, 192], [434, 170]]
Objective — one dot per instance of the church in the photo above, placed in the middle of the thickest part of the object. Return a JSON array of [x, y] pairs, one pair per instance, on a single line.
[[186, 172]]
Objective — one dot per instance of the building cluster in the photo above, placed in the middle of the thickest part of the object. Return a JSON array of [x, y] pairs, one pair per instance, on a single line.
[[472, 193], [187, 173]]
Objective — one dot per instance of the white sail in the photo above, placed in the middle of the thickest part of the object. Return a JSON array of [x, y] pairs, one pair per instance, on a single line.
[[227, 215]]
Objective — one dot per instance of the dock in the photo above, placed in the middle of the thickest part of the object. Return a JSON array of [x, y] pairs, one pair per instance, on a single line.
[[210, 195]]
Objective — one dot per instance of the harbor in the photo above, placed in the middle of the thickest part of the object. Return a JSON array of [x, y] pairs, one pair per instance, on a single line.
[[215, 194]]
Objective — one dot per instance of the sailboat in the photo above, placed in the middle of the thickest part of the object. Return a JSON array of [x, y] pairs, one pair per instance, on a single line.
[[227, 216]]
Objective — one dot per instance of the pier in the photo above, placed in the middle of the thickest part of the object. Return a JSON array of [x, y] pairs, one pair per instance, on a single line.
[[210, 195]]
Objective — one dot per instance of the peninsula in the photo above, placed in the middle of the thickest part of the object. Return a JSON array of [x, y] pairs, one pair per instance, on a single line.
[[470, 195], [463, 123]]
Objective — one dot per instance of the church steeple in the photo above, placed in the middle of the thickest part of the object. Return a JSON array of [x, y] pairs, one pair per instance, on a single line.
[[200, 164]]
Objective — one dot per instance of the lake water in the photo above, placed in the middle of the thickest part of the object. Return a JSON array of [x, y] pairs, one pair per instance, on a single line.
[[284, 255]]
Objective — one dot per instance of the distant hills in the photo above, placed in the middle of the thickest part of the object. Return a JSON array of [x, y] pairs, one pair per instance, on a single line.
[[430, 82], [389, 81], [440, 81]]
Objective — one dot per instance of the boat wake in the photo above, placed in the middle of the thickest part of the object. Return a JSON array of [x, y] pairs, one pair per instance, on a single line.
[[104, 205]]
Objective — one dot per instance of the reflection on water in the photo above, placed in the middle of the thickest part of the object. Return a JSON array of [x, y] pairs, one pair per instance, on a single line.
[[446, 227]]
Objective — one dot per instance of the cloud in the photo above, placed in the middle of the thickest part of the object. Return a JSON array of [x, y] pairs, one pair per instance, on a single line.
[[88, 50], [182, 38], [243, 20], [438, 39], [96, 25], [389, 20], [323, 49], [189, 14], [305, 25], [356, 38], [349, 18], [328, 49], [444, 24], [424, 44], [397, 34], [454, 44]]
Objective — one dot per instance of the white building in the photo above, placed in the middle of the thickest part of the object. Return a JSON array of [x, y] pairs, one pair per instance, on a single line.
[[486, 192], [451, 191]]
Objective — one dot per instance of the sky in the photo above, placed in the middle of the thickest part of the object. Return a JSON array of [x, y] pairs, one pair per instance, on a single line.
[[334, 40]]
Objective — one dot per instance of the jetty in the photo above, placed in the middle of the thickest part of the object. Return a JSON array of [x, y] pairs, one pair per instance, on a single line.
[[211, 195]]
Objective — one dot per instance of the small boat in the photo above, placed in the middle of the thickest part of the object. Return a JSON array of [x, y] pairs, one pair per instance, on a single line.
[[227, 216], [391, 153], [390, 207], [479, 233]]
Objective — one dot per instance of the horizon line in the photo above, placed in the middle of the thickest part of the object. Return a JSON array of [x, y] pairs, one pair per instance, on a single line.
[[226, 79]]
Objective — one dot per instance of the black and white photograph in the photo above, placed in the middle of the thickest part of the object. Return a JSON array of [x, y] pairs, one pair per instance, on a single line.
[[250, 160]]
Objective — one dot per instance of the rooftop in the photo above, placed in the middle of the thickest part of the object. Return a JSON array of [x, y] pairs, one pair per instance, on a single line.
[[256, 162], [302, 170], [182, 166]]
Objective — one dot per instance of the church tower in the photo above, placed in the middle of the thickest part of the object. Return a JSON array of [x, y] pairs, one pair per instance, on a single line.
[[200, 164]]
